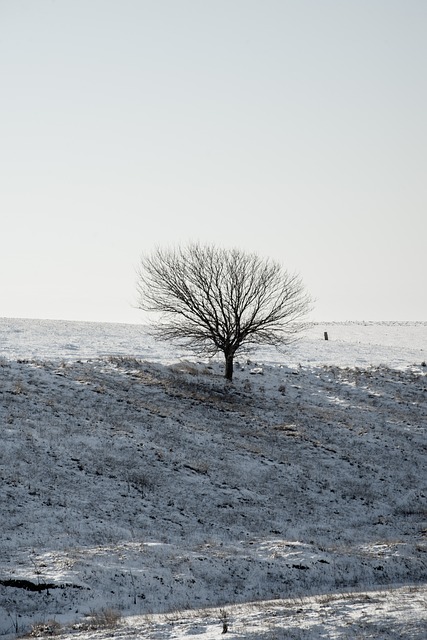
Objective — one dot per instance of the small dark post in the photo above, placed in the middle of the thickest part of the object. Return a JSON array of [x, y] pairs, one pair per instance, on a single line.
[[326, 335]]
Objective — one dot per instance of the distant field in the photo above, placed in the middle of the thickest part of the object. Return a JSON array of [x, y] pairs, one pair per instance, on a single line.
[[395, 344]]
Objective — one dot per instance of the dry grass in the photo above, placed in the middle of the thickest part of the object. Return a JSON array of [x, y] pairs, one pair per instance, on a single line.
[[100, 619], [43, 629]]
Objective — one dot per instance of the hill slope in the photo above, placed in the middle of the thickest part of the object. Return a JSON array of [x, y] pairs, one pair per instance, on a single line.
[[153, 488]]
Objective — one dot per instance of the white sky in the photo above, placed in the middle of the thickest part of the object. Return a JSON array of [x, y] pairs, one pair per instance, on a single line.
[[292, 128]]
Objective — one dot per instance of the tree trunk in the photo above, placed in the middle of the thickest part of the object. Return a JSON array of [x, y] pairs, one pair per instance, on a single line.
[[229, 357]]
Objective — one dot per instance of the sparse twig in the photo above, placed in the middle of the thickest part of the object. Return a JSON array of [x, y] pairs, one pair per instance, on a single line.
[[223, 616]]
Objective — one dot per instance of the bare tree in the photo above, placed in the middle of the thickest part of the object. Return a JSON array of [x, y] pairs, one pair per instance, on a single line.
[[219, 300]]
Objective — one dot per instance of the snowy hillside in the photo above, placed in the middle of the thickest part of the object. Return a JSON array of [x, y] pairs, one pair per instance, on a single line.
[[136, 481]]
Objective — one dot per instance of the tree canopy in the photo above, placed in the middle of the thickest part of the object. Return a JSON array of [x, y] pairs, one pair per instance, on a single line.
[[221, 300]]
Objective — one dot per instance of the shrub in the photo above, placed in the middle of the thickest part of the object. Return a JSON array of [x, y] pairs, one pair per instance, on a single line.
[[41, 629], [99, 619], [104, 618]]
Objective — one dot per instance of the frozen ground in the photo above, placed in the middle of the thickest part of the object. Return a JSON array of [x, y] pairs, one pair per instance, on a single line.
[[291, 504], [394, 344]]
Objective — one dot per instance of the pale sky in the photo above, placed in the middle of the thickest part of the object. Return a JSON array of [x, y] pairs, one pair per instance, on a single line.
[[295, 129]]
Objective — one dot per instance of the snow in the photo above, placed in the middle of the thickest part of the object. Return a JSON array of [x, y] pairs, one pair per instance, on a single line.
[[291, 503], [395, 344]]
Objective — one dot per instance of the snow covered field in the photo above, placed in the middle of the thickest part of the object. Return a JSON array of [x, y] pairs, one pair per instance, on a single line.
[[290, 504], [395, 344]]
